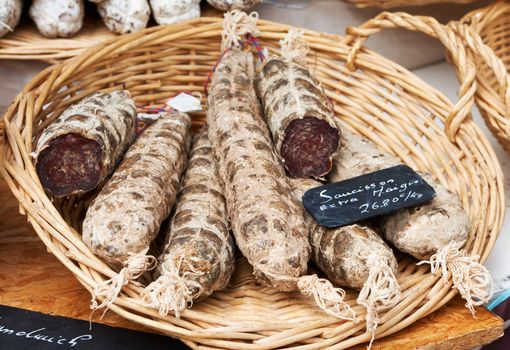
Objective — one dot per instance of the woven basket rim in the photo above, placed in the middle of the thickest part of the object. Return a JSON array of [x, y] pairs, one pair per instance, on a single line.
[[65, 244], [493, 70], [480, 17]]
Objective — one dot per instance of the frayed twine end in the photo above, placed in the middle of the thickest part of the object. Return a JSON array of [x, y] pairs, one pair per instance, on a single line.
[[294, 46], [470, 278], [171, 292], [380, 291], [237, 24], [110, 289], [326, 296]]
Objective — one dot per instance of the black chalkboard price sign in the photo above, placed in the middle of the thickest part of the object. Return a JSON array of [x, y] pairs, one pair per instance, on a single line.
[[27, 330], [363, 197]]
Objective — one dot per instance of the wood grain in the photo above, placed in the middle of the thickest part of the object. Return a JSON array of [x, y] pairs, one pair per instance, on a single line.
[[449, 328], [34, 279]]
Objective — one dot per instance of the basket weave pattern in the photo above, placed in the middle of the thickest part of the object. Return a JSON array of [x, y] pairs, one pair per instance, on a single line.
[[493, 95], [381, 100]]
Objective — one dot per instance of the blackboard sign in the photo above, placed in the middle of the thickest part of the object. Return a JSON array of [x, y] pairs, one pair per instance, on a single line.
[[27, 330], [363, 197]]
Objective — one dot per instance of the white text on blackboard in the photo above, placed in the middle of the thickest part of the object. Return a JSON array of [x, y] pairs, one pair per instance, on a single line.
[[38, 334]]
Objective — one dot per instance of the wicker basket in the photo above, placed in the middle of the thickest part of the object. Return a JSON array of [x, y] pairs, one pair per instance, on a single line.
[[493, 95], [387, 4], [388, 104]]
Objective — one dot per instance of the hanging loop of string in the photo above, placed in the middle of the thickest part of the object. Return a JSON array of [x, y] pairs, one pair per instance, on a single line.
[[110, 289], [237, 24], [327, 297], [380, 291], [249, 40], [469, 277], [294, 46], [174, 290]]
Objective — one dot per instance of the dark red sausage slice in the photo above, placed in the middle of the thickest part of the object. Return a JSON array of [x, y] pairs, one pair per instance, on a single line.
[[70, 163], [307, 147]]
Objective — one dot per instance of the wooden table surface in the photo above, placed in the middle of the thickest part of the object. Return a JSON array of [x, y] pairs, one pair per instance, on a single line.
[[33, 279]]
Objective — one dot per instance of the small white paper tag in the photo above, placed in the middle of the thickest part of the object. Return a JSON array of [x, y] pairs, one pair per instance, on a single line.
[[185, 103], [265, 52]]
